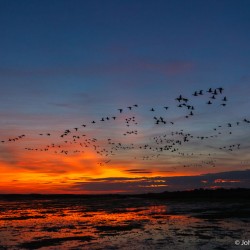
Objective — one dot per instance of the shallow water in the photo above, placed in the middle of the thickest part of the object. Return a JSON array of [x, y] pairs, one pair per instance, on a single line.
[[122, 223]]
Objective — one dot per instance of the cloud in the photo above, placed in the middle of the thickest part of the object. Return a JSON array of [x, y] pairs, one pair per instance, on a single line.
[[173, 67], [168, 68], [159, 184], [138, 171]]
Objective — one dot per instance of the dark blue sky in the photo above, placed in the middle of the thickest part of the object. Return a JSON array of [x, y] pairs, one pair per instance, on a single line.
[[65, 45], [65, 62]]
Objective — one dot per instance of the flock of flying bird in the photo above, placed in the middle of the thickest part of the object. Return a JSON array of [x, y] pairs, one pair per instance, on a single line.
[[77, 141]]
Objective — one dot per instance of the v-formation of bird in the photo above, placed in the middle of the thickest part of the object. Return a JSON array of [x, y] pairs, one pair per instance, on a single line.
[[171, 141]]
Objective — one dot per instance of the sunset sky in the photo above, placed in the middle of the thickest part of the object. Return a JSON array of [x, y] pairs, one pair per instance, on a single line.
[[69, 63]]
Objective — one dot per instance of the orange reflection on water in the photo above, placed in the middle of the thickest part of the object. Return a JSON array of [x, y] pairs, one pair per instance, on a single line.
[[38, 220], [94, 223]]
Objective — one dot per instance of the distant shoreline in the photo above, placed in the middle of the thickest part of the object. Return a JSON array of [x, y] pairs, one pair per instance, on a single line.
[[196, 194]]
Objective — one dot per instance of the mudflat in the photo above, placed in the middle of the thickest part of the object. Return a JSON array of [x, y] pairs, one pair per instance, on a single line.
[[123, 222]]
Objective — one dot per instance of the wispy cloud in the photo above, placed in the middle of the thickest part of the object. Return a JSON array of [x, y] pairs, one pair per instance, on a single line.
[[138, 171], [168, 68], [173, 67]]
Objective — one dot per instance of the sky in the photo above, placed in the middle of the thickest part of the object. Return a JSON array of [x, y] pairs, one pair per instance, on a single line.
[[114, 96]]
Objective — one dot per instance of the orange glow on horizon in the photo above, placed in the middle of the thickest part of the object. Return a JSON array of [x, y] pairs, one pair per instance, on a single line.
[[54, 171]]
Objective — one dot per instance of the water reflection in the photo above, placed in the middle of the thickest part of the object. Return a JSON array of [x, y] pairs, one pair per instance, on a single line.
[[115, 224]]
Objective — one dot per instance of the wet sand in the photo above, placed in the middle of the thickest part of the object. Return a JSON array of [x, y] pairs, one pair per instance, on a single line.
[[122, 223]]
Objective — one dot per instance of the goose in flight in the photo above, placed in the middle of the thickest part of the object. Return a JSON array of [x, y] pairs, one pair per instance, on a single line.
[[220, 90], [178, 98]]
